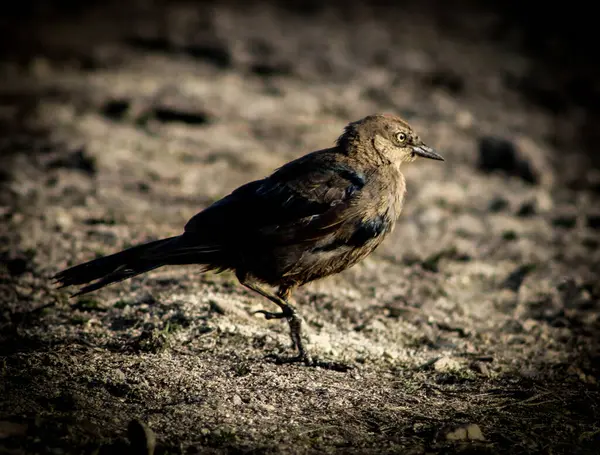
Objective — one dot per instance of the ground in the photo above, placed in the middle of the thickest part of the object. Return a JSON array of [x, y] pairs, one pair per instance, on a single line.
[[473, 328]]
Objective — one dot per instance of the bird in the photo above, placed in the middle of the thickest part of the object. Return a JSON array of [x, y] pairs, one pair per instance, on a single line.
[[313, 217]]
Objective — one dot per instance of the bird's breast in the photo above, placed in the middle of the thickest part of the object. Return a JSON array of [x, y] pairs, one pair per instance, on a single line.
[[386, 195], [396, 197]]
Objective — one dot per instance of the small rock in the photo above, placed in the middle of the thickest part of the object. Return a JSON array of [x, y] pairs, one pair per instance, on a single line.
[[565, 221], [538, 159], [500, 154], [460, 434], [141, 437], [516, 278], [527, 209], [191, 115], [529, 325], [512, 326], [543, 202], [375, 326], [78, 159], [143, 187], [431, 263], [470, 432], [106, 220], [215, 307], [237, 400], [64, 220], [145, 298], [497, 153], [481, 368], [17, 265], [116, 109], [446, 364], [150, 340], [464, 120], [474, 433], [119, 376], [268, 407], [497, 204], [593, 221]]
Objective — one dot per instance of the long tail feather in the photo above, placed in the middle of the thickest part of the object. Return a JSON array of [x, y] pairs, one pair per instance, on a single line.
[[135, 261]]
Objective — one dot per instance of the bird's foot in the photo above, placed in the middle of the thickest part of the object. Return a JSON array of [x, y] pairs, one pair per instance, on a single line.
[[295, 321], [309, 361], [333, 366], [300, 358], [303, 356], [286, 312], [270, 315]]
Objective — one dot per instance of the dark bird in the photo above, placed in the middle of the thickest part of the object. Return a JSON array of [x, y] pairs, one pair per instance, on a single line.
[[313, 217]]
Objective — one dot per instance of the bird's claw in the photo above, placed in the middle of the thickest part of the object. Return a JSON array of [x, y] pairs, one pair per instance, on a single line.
[[308, 361], [270, 315], [300, 358]]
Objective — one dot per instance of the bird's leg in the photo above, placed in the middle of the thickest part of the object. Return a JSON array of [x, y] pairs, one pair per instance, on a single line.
[[282, 299], [295, 321], [287, 311]]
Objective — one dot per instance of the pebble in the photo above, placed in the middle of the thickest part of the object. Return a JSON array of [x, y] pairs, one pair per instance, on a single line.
[[141, 437], [445, 364], [470, 432]]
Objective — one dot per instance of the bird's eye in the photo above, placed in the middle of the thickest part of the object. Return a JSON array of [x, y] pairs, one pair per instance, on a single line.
[[401, 137]]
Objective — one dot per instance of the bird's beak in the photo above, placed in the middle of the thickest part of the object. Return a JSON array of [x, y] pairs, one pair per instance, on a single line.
[[426, 152]]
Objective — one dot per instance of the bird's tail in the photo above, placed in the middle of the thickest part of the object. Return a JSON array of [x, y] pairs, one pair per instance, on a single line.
[[133, 261]]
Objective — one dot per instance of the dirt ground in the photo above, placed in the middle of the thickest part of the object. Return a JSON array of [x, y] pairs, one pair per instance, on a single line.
[[474, 328]]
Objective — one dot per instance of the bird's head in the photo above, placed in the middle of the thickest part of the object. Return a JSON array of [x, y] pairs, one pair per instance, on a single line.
[[389, 136]]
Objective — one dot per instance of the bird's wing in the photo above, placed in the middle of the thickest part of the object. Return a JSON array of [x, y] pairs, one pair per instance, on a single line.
[[304, 201]]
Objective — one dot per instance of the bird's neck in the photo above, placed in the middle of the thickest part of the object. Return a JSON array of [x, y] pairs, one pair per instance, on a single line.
[[365, 154]]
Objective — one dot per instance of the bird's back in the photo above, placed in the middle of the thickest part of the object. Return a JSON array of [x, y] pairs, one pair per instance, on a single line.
[[313, 217]]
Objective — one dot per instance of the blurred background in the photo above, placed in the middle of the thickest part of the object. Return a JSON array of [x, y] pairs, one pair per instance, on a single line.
[[120, 120]]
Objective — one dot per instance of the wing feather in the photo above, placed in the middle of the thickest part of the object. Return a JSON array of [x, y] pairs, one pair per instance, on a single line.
[[305, 201]]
